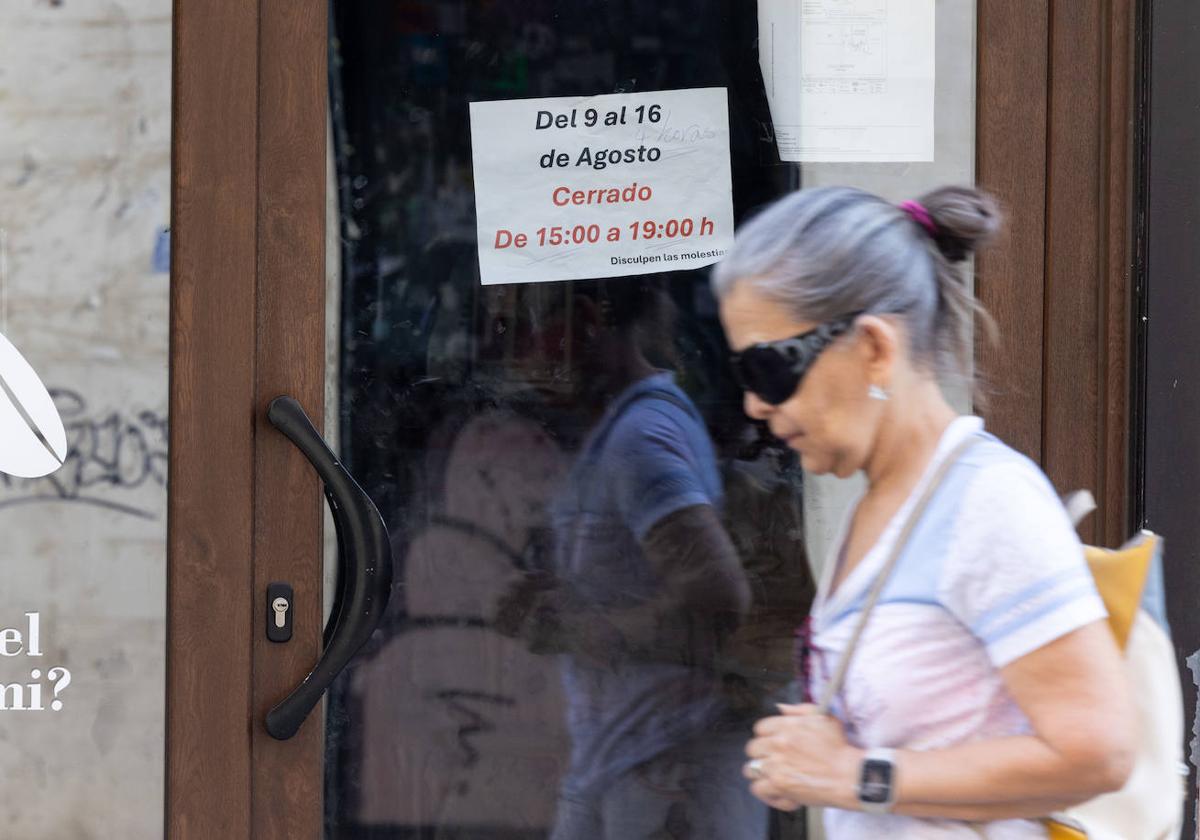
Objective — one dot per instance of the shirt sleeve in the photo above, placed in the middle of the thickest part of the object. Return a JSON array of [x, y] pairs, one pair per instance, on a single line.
[[652, 468], [1015, 573]]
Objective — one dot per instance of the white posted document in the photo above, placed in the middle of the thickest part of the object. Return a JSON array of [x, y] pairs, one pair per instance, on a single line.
[[570, 188], [849, 80]]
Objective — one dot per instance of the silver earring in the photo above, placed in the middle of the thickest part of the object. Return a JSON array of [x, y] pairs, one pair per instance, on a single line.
[[877, 393]]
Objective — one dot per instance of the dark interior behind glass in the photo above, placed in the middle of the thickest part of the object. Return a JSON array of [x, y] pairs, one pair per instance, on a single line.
[[459, 403]]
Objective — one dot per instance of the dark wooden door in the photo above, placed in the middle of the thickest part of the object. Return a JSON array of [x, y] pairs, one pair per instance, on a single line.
[[247, 313], [248, 324]]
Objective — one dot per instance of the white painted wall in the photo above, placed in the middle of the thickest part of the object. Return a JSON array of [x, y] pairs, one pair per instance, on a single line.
[[84, 187]]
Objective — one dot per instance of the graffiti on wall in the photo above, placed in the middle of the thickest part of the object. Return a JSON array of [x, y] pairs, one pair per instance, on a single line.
[[111, 454]]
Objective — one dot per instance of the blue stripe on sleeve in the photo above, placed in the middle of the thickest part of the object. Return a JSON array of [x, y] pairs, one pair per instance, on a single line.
[[982, 626], [1024, 619]]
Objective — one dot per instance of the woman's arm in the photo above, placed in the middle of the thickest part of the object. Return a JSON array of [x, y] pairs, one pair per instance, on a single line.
[[1072, 690], [1076, 697]]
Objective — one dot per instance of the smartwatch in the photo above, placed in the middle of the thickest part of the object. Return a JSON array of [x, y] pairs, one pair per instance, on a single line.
[[877, 781]]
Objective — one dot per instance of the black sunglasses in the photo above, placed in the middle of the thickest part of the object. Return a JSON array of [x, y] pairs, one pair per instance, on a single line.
[[774, 369]]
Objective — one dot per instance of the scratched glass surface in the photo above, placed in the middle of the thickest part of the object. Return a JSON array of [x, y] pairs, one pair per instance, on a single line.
[[84, 189], [532, 646]]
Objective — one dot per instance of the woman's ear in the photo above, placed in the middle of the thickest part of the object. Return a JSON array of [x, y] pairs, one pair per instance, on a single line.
[[879, 347]]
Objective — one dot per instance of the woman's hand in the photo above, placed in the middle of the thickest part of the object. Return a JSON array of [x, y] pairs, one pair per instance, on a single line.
[[802, 758]]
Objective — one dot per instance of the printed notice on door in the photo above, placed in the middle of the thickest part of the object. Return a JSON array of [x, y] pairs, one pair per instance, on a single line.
[[849, 80], [571, 188]]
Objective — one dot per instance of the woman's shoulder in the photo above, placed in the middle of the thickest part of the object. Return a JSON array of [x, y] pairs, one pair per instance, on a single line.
[[1015, 572], [996, 474], [1004, 505]]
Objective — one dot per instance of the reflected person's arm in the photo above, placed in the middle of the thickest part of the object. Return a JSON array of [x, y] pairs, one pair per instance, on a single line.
[[703, 585], [705, 593], [698, 564]]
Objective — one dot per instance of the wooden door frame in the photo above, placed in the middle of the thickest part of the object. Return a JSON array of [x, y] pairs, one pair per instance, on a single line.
[[1055, 131], [247, 324]]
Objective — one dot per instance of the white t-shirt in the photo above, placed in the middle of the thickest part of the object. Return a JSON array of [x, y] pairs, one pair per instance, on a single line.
[[993, 571]]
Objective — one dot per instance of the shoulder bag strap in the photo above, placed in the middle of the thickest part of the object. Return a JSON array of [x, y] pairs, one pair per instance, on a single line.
[[839, 676]]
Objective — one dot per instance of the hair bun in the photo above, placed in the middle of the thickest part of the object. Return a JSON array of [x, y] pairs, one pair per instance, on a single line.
[[965, 217]]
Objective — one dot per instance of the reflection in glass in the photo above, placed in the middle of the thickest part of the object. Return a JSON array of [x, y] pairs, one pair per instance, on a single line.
[[644, 588], [487, 421]]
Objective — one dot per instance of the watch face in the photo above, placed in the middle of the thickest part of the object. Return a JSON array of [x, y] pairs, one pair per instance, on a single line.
[[875, 787]]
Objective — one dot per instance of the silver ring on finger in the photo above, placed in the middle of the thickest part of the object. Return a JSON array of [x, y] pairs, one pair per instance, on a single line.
[[755, 768]]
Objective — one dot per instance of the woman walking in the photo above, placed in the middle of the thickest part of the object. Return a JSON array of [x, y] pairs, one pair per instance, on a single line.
[[985, 690]]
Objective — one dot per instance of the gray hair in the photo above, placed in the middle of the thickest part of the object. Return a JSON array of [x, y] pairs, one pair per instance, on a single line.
[[828, 252]]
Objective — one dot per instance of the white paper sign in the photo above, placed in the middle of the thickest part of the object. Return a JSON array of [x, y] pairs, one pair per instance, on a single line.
[[849, 80], [603, 186]]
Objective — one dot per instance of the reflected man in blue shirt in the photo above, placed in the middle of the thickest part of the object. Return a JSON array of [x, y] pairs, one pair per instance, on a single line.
[[645, 587]]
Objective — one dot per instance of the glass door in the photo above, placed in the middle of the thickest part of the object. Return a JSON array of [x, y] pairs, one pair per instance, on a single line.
[[548, 456], [543, 453]]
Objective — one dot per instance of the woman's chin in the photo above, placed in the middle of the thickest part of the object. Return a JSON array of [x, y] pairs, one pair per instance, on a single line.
[[814, 464]]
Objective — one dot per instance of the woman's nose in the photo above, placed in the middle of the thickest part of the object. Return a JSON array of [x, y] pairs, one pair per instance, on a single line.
[[756, 407]]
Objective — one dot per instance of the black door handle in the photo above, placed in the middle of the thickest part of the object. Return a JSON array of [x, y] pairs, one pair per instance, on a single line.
[[364, 568]]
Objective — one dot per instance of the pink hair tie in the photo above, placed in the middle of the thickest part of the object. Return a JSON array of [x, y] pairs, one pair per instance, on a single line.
[[920, 214]]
